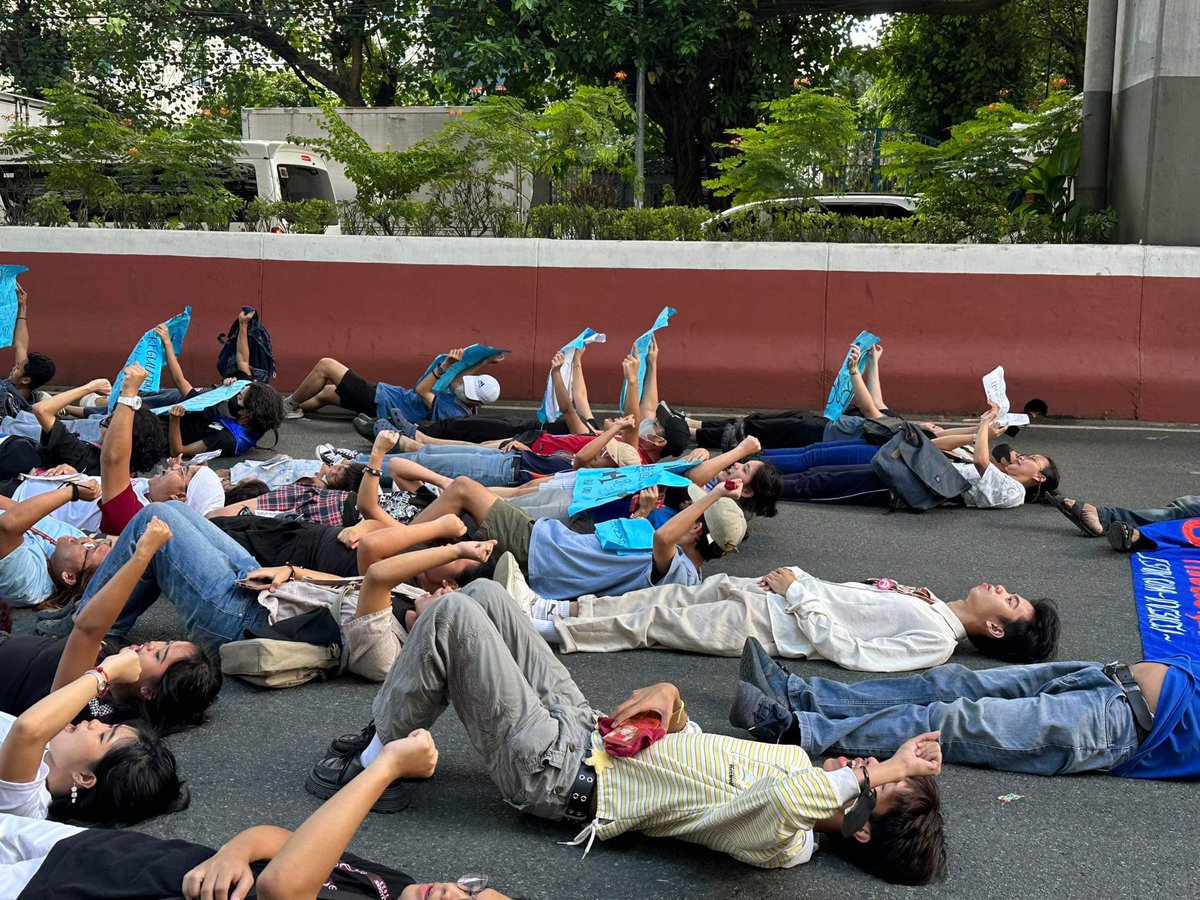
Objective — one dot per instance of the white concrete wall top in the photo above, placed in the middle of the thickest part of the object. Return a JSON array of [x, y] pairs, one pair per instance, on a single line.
[[1021, 259]]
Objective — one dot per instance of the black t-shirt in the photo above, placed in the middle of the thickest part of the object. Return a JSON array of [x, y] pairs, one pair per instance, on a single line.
[[203, 426], [27, 666], [60, 446], [537, 464], [126, 865], [279, 542]]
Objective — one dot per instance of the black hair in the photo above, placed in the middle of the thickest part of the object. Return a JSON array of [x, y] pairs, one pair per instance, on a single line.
[[66, 594], [1038, 491], [187, 688], [352, 476], [1024, 642], [908, 842], [149, 443], [39, 369], [767, 487], [707, 546], [264, 409], [135, 781], [245, 490]]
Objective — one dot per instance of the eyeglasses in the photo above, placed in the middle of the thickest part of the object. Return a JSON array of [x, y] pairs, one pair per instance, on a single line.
[[106, 421]]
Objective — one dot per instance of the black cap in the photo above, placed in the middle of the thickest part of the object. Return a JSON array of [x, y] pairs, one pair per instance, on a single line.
[[675, 431]]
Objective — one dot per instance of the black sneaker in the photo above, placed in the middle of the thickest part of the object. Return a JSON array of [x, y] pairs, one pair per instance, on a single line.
[[333, 773], [331, 455], [54, 627], [352, 743]]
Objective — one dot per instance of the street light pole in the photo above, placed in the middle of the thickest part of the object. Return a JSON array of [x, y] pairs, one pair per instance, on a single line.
[[639, 147]]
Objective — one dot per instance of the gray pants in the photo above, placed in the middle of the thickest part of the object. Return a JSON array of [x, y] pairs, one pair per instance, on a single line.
[[524, 715], [1180, 508]]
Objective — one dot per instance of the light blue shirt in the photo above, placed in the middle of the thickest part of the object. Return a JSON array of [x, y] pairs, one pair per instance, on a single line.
[[24, 575], [564, 564]]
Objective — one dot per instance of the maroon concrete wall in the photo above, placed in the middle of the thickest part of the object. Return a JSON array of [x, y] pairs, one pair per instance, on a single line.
[[1119, 345]]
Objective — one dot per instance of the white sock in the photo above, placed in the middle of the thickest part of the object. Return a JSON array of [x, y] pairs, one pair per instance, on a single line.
[[371, 751], [562, 609], [547, 630], [542, 610]]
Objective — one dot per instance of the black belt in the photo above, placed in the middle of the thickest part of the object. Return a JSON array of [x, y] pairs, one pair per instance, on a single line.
[[1143, 719], [583, 789]]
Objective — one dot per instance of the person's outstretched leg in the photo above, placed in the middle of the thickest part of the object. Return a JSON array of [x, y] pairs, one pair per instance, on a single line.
[[795, 460], [538, 663], [1180, 508], [791, 428], [714, 617], [327, 371], [197, 570], [849, 485], [456, 655]]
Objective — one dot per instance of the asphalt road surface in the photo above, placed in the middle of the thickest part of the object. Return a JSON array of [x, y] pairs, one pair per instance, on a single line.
[[1067, 837]]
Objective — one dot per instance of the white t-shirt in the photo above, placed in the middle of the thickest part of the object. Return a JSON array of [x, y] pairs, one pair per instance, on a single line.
[[83, 514], [30, 799], [991, 490], [24, 846]]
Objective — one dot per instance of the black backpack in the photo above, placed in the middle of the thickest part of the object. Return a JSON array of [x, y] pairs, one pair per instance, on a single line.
[[262, 359], [918, 474]]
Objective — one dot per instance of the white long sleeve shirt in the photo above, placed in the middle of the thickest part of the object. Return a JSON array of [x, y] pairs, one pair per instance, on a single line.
[[868, 628]]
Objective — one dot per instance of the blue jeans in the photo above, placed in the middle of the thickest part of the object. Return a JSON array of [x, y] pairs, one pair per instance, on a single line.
[[1180, 508], [491, 468], [197, 570], [1046, 719], [834, 453], [166, 397], [26, 425]]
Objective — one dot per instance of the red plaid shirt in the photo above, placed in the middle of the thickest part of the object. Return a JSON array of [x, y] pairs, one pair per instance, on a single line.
[[324, 506]]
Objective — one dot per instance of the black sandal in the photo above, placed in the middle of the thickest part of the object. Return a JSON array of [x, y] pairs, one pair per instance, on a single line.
[[1072, 512], [1124, 538]]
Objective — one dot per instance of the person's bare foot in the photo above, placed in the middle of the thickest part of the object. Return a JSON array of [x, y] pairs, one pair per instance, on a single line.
[[1089, 516]]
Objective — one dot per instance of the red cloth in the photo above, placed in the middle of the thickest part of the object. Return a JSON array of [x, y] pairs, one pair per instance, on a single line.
[[549, 444], [631, 737], [116, 513]]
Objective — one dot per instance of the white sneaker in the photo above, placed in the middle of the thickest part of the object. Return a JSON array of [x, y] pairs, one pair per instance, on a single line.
[[291, 409], [509, 576]]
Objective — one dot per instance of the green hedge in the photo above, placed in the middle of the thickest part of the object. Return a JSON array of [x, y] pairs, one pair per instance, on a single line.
[[671, 223]]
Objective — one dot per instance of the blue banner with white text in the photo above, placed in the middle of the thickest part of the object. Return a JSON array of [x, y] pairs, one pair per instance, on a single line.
[[1166, 586], [8, 302]]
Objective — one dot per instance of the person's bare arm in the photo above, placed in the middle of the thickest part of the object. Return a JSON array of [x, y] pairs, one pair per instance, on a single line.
[[629, 368], [424, 387], [171, 360], [410, 475], [579, 391], [862, 397], [368, 487], [983, 455], [649, 403], [20, 516], [242, 347], [118, 442], [21, 329], [175, 434], [593, 448], [382, 576], [23, 748], [563, 397], [667, 538], [706, 471], [46, 411], [874, 355], [100, 613]]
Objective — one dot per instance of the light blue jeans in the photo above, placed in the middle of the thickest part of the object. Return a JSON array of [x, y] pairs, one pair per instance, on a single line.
[[491, 468], [24, 424], [197, 570], [1046, 719]]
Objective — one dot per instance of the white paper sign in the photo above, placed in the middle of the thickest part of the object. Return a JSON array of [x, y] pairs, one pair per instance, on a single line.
[[997, 392], [201, 458]]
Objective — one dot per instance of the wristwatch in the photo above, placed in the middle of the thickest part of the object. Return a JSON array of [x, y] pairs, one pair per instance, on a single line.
[[134, 403]]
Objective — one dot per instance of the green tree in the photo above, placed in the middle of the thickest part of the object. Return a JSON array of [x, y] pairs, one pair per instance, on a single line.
[[803, 142], [252, 87]]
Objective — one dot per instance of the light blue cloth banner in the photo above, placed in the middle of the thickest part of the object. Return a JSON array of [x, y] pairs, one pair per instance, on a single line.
[[472, 356], [626, 536], [550, 411], [595, 487], [842, 391], [149, 352], [1166, 589], [208, 399], [643, 347], [8, 302]]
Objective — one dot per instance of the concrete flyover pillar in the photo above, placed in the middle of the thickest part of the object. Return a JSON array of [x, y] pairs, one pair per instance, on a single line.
[[1153, 179]]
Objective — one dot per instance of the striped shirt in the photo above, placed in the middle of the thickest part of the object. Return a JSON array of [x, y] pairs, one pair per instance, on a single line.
[[756, 802]]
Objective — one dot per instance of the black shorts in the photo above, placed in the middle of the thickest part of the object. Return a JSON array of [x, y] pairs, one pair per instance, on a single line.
[[357, 393]]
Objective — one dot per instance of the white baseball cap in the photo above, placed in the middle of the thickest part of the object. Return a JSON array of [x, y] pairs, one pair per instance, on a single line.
[[204, 491], [481, 388]]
